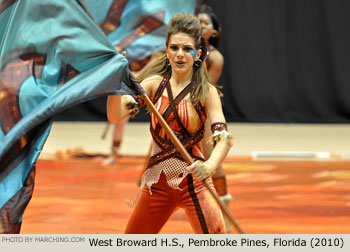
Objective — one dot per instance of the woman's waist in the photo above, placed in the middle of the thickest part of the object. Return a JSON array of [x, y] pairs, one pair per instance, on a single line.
[[159, 154]]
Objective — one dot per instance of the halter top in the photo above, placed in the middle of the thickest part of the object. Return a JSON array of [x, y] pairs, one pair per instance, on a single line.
[[165, 157]]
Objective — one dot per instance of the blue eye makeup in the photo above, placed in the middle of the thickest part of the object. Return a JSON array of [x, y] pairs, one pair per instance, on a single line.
[[186, 48], [193, 52]]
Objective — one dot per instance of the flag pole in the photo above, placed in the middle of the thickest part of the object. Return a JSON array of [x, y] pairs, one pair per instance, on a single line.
[[184, 153]]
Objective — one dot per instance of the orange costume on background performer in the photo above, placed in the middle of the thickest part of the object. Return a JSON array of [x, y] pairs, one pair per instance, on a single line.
[[166, 168]]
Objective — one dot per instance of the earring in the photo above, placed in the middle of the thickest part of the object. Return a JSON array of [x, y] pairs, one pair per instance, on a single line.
[[167, 61], [198, 62], [213, 35]]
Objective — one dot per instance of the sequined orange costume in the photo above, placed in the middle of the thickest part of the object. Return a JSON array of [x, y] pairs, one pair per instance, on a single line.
[[166, 185]]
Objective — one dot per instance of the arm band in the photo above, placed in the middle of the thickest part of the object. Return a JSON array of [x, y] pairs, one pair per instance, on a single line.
[[220, 133], [219, 126], [139, 100]]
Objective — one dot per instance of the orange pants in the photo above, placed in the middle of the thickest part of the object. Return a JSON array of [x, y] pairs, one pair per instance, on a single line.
[[153, 210]]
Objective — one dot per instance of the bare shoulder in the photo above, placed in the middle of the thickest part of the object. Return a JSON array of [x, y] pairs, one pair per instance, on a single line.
[[212, 96], [151, 84], [213, 91], [153, 78], [216, 57]]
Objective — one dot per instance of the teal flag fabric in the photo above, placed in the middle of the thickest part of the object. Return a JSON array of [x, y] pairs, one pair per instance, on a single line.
[[137, 26], [52, 56]]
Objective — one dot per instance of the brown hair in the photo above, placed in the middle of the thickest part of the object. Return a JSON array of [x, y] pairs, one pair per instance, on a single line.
[[189, 24]]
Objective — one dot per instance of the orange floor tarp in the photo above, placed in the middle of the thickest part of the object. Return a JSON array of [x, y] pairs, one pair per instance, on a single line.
[[292, 197]]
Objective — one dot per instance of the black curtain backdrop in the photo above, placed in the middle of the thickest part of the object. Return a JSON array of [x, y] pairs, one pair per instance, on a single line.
[[286, 61]]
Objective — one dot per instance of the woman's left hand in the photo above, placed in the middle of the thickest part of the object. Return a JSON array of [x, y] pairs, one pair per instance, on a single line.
[[201, 170]]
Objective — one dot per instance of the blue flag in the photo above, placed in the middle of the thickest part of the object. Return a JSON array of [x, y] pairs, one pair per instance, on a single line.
[[52, 56], [137, 26]]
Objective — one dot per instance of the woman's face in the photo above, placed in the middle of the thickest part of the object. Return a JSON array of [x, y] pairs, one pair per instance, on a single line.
[[207, 27], [181, 52]]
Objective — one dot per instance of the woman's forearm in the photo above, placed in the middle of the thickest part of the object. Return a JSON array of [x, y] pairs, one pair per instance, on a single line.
[[219, 152]]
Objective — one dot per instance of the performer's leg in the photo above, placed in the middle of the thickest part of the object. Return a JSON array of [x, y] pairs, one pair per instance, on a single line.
[[152, 210], [118, 136], [202, 210], [116, 142]]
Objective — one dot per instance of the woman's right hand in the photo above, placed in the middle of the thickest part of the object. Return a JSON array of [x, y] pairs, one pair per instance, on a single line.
[[131, 105]]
